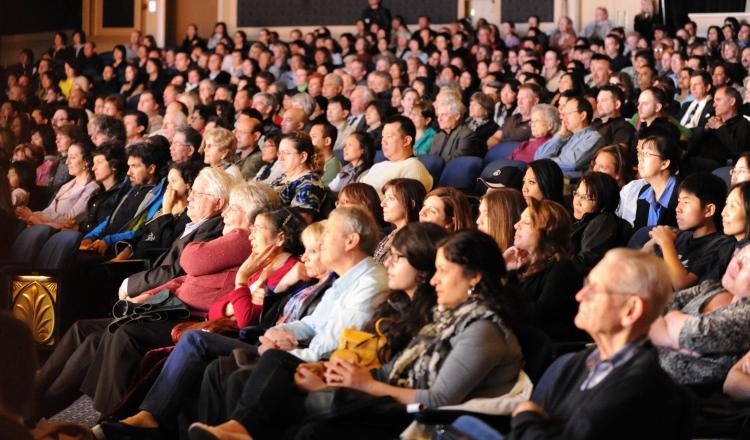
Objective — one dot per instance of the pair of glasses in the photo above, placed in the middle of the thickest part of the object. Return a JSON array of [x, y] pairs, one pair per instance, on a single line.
[[582, 196]]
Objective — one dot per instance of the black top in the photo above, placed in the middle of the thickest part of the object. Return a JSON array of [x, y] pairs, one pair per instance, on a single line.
[[101, 205], [706, 256], [724, 143], [615, 130], [126, 209], [549, 299], [667, 216], [594, 235], [636, 400]]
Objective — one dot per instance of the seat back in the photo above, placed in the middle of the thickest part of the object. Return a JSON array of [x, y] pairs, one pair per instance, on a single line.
[[28, 244], [537, 351], [723, 173], [500, 151], [59, 252], [434, 165], [379, 156], [640, 237], [461, 173], [340, 156], [550, 375]]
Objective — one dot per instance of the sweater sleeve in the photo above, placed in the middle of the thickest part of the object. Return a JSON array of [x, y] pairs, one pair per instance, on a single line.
[[207, 257], [245, 312], [475, 353], [723, 331]]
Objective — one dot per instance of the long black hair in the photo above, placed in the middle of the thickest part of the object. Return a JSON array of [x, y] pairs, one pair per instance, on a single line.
[[550, 179], [479, 254], [417, 242]]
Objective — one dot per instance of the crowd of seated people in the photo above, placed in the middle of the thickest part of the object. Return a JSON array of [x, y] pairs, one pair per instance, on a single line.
[[280, 193]]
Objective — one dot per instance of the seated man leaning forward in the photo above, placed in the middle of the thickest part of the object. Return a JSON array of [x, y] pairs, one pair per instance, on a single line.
[[617, 390]]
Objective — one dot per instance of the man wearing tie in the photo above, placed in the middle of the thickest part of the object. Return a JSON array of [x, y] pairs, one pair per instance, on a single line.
[[696, 113]]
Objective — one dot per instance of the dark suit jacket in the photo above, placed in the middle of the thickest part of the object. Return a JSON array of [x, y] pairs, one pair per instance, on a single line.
[[223, 78], [462, 141], [615, 130], [667, 216], [722, 144], [167, 266], [707, 112]]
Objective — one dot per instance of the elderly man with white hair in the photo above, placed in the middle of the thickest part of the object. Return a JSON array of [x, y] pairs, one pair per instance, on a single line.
[[74, 365], [618, 389], [454, 139]]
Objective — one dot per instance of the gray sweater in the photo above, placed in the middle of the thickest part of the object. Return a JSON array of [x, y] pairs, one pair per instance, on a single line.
[[483, 362]]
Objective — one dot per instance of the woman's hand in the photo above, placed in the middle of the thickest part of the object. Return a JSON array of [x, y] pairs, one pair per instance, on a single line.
[[254, 263], [168, 201], [258, 296], [515, 258], [341, 373], [308, 379]]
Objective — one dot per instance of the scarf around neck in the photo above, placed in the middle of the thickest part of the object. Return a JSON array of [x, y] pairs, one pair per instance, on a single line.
[[418, 365]]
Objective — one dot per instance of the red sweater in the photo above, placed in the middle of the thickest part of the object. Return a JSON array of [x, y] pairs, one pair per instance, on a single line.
[[245, 312], [525, 150], [211, 267]]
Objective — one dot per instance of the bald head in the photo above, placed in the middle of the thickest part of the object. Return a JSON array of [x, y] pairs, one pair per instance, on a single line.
[[293, 120]]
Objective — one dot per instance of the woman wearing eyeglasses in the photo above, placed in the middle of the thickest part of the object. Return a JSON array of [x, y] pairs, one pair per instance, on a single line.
[[658, 162], [596, 228], [542, 270], [298, 186], [740, 172]]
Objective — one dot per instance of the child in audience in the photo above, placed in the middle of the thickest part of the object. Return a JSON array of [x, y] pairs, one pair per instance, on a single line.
[[694, 251]]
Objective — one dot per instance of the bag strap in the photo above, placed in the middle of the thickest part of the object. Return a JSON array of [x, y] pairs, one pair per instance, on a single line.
[[377, 326]]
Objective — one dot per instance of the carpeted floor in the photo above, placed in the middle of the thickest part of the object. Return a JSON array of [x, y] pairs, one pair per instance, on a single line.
[[81, 412]]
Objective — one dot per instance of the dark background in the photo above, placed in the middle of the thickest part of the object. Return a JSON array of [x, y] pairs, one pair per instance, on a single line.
[[28, 16], [258, 13], [519, 10]]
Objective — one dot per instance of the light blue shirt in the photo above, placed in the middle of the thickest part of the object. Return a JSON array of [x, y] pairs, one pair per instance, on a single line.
[[655, 207], [349, 302], [572, 153]]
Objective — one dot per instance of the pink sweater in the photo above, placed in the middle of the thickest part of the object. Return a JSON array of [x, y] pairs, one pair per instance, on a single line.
[[525, 150], [211, 267]]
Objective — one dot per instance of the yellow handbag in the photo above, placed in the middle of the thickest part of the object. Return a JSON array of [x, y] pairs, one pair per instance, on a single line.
[[361, 347]]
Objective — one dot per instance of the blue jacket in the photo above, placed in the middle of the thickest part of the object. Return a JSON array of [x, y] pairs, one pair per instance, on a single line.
[[148, 210]]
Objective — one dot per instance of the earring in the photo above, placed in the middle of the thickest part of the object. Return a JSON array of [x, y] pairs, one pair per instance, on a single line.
[[470, 292]]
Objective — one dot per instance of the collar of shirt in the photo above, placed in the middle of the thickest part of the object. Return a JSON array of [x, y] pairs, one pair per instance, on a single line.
[[190, 227], [655, 206], [600, 369], [344, 282]]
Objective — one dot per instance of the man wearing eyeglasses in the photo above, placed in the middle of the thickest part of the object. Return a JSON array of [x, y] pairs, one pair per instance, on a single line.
[[575, 143], [618, 389]]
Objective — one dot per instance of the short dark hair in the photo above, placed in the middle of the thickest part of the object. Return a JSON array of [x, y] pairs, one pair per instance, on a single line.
[[603, 189], [192, 136], [343, 101], [147, 153], [140, 118], [705, 76], [710, 190], [114, 154], [112, 128], [329, 131], [405, 125], [583, 105], [616, 92], [188, 170], [302, 144], [667, 148]]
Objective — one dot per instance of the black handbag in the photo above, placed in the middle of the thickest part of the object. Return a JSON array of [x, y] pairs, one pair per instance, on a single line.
[[162, 306]]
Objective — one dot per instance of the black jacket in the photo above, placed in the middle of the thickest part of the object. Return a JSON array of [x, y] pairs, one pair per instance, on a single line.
[[594, 235], [724, 143], [167, 266], [462, 141], [615, 130], [102, 203], [636, 400]]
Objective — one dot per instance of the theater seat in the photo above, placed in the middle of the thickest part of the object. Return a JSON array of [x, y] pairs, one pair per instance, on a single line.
[[379, 156], [27, 245], [640, 237], [37, 295], [500, 151], [461, 173], [434, 165], [723, 173], [340, 156]]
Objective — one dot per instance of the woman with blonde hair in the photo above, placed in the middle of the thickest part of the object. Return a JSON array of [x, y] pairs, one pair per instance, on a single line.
[[542, 269], [219, 151], [499, 210]]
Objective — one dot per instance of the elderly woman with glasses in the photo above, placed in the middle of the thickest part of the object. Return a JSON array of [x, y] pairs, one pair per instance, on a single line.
[[298, 186], [218, 148]]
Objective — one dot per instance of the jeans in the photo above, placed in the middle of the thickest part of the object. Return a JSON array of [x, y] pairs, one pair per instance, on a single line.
[[183, 371]]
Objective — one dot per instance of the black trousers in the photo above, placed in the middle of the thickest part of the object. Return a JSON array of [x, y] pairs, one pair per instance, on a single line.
[[117, 359], [58, 382]]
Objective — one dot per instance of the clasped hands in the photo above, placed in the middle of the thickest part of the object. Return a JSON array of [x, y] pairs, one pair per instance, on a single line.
[[336, 373]]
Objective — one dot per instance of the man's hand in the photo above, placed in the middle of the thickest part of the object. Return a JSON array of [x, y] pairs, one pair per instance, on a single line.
[[281, 338], [663, 235]]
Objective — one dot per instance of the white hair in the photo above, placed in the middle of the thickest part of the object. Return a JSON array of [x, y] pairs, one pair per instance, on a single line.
[[550, 115], [252, 197], [218, 183]]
